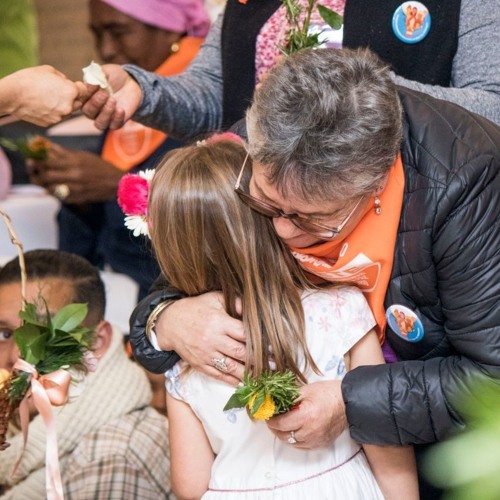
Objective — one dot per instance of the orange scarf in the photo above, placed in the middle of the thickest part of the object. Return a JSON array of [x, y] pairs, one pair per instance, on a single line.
[[130, 145], [365, 256]]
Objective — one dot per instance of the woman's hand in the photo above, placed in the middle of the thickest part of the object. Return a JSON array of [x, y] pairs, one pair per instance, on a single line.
[[113, 111], [88, 178], [317, 420], [41, 95], [200, 331]]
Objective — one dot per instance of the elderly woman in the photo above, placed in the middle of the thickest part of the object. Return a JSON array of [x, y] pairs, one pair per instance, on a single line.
[[394, 191], [161, 36]]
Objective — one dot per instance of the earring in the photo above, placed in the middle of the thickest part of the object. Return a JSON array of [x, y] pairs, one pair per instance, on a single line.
[[174, 47], [377, 206]]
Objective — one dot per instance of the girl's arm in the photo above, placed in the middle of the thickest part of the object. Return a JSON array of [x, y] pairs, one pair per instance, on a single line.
[[191, 456], [394, 467]]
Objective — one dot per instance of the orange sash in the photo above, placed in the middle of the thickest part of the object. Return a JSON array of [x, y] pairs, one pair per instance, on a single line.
[[130, 145], [365, 256]]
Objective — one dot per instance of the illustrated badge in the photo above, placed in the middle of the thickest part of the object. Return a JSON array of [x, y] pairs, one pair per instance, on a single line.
[[411, 22], [405, 323]]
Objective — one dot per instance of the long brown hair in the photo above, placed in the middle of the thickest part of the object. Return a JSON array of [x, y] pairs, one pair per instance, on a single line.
[[206, 239]]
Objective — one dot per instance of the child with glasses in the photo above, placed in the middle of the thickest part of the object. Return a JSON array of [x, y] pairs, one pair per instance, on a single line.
[[206, 240]]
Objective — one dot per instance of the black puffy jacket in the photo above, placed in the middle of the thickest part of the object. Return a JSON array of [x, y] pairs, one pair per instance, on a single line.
[[446, 269]]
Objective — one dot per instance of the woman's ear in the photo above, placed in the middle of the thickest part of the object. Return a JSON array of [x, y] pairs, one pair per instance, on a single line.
[[103, 333], [381, 186]]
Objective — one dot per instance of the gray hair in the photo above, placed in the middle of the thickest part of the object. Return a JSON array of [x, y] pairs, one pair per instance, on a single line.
[[326, 123]]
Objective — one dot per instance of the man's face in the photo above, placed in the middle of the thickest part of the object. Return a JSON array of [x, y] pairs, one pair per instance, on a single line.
[[56, 292]]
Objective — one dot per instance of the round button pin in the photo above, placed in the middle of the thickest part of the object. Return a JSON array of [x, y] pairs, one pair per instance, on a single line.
[[411, 22], [404, 323]]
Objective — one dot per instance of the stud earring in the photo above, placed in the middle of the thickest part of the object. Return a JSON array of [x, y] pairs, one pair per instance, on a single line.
[[377, 206], [174, 47]]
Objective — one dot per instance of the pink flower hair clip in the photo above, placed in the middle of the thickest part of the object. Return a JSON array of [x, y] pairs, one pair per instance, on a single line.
[[133, 192]]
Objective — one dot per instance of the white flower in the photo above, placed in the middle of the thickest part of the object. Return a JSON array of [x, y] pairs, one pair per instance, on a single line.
[[147, 174], [138, 224], [94, 75]]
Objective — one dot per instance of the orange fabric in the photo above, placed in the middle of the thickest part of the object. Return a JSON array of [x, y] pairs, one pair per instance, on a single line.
[[130, 145], [365, 256]]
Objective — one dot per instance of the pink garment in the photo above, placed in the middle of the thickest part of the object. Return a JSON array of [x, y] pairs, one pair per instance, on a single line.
[[273, 33], [5, 175], [179, 16]]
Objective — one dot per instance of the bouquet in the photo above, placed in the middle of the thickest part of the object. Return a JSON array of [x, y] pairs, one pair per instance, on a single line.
[[35, 147], [298, 36], [48, 346], [269, 394]]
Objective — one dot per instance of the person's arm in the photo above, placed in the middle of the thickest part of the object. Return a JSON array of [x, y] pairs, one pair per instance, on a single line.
[[182, 106], [41, 95], [417, 401], [394, 467], [191, 456], [79, 170], [197, 329], [475, 80]]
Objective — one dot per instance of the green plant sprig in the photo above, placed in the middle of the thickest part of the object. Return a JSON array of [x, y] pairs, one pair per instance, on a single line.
[[298, 37], [283, 389], [34, 147], [50, 343]]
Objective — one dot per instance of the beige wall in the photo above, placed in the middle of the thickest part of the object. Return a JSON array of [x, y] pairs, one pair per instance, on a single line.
[[65, 40]]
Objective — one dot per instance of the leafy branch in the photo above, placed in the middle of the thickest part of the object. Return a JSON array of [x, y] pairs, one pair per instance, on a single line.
[[35, 147], [50, 343], [299, 37]]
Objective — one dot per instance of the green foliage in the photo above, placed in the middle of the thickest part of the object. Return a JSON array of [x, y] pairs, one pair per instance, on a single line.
[[469, 463], [282, 387], [34, 147], [50, 343], [298, 36]]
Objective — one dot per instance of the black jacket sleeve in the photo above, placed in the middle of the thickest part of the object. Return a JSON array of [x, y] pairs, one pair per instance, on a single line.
[[446, 269], [153, 360]]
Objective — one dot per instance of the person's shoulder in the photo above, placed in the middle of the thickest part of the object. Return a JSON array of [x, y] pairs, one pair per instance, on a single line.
[[331, 297], [441, 137], [126, 455], [140, 433], [423, 112]]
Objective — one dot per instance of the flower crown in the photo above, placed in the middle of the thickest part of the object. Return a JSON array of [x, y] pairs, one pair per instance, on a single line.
[[133, 191]]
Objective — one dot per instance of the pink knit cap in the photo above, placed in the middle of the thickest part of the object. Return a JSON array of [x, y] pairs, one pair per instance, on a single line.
[[179, 16]]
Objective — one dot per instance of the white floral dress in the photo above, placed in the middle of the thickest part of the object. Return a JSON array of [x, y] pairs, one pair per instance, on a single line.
[[251, 463]]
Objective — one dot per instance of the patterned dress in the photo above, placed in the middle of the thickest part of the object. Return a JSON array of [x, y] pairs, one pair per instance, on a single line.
[[251, 463]]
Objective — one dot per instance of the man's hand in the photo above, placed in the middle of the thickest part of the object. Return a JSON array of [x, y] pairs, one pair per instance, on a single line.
[[199, 330], [88, 177], [113, 111], [318, 419]]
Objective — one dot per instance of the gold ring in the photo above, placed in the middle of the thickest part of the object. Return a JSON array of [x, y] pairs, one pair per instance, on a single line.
[[61, 191]]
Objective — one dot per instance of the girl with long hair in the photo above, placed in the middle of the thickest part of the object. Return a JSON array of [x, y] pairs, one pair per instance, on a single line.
[[205, 239]]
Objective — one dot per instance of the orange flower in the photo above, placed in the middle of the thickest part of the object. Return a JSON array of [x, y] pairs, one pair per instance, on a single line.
[[266, 410], [4, 376]]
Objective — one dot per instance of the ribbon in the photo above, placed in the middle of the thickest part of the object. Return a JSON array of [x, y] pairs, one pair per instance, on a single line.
[[47, 390]]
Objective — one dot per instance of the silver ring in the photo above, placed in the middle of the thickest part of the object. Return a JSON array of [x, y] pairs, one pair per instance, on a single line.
[[220, 364], [61, 191], [291, 439]]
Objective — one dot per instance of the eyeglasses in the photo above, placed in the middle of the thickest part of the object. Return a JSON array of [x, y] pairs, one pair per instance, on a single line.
[[321, 231]]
